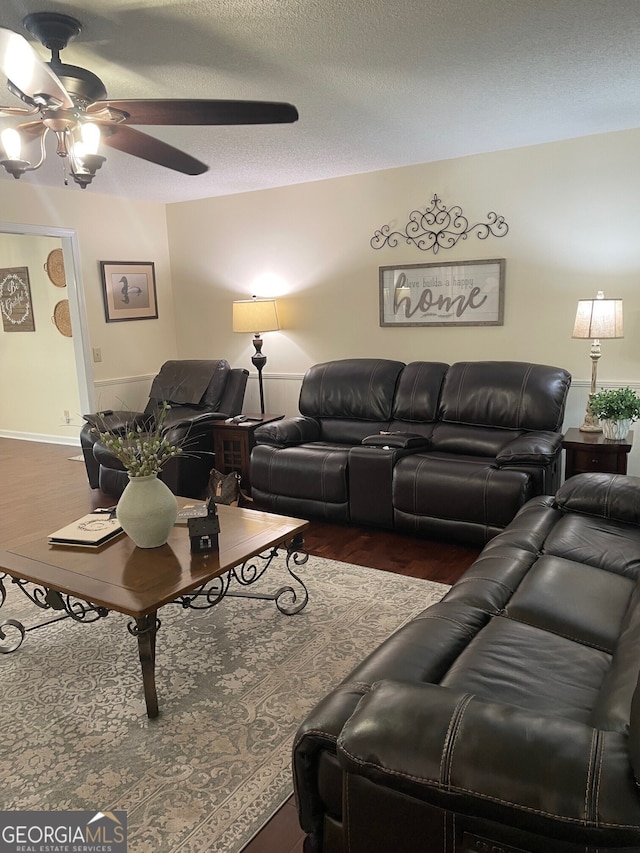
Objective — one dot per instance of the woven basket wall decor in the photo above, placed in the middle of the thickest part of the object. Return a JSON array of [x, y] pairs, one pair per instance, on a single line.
[[54, 268], [62, 318]]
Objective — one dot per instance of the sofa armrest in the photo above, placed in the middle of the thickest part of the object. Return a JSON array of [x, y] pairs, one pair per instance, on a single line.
[[612, 496], [196, 421], [118, 421], [531, 448], [550, 775], [193, 434], [318, 733], [288, 432]]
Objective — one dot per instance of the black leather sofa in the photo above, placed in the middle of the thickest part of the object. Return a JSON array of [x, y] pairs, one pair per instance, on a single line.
[[442, 451], [200, 391], [505, 718]]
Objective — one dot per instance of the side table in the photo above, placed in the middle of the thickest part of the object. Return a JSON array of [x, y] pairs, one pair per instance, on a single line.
[[233, 443], [591, 451]]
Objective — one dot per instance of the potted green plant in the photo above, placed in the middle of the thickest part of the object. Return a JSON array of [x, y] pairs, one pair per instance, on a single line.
[[616, 408]]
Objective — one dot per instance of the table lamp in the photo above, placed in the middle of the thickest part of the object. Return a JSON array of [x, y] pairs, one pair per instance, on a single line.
[[596, 319], [256, 315]]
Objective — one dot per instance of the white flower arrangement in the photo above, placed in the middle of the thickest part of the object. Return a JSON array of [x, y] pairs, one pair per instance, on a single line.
[[142, 449]]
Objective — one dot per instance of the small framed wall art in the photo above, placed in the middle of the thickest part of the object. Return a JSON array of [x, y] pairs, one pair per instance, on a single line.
[[458, 293], [15, 300], [129, 290]]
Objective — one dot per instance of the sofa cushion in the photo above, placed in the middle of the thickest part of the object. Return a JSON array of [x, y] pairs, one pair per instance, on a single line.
[[361, 388], [521, 665], [594, 541], [613, 710], [315, 471], [566, 598], [509, 394], [458, 488], [418, 393]]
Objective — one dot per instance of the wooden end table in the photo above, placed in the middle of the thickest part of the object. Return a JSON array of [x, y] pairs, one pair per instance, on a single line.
[[591, 451], [233, 443]]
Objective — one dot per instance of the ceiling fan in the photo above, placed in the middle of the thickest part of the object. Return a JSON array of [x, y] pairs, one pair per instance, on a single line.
[[72, 103]]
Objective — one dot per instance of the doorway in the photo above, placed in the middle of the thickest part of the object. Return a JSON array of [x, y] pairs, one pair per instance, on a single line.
[[59, 354]]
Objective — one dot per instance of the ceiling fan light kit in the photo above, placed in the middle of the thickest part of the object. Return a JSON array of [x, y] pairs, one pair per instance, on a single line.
[[71, 102]]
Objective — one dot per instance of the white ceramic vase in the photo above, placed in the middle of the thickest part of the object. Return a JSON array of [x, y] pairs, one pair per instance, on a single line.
[[147, 510], [616, 430]]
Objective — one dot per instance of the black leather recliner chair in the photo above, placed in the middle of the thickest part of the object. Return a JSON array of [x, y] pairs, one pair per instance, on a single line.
[[200, 392]]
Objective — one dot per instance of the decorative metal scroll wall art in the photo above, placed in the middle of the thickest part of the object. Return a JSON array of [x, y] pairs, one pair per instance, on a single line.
[[439, 227]]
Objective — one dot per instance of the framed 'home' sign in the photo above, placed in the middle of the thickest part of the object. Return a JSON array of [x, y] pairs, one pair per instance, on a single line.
[[459, 293]]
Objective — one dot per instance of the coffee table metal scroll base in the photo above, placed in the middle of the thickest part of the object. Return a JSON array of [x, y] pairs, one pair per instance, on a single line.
[[67, 606], [289, 599]]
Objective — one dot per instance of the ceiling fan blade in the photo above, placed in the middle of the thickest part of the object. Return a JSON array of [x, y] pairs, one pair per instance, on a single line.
[[23, 67], [149, 148], [32, 128], [177, 112], [18, 111]]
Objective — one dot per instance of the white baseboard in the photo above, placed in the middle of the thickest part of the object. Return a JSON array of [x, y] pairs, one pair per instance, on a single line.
[[72, 441]]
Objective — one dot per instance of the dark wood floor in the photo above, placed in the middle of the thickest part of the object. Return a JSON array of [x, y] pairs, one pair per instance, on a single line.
[[43, 489]]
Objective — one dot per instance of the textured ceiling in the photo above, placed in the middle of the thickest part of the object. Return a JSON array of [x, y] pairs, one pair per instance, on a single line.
[[378, 83]]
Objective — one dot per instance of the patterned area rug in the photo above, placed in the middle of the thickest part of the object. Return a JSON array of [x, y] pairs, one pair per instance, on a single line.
[[233, 684]]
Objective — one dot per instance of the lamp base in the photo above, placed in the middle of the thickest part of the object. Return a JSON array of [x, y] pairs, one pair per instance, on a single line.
[[591, 424], [259, 360], [591, 421]]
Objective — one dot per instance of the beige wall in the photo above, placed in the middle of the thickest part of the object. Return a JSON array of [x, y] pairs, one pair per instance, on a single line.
[[574, 220], [107, 228]]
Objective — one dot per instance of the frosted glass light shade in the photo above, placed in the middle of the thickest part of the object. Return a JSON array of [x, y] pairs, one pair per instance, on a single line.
[[11, 143], [255, 315], [598, 318], [91, 137]]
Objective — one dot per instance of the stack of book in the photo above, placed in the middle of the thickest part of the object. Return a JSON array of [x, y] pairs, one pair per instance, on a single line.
[[90, 531]]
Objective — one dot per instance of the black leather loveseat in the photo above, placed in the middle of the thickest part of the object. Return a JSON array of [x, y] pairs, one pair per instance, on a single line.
[[443, 451], [505, 718]]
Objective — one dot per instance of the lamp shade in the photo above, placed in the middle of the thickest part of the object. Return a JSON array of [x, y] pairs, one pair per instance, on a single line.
[[598, 318], [255, 315]]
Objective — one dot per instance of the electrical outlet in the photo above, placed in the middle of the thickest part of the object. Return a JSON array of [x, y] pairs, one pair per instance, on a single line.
[[97, 354], [67, 419]]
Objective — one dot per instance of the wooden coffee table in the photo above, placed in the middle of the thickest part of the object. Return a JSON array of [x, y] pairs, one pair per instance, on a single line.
[[85, 584]]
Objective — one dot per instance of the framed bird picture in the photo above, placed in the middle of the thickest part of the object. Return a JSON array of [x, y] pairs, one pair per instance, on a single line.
[[129, 290]]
